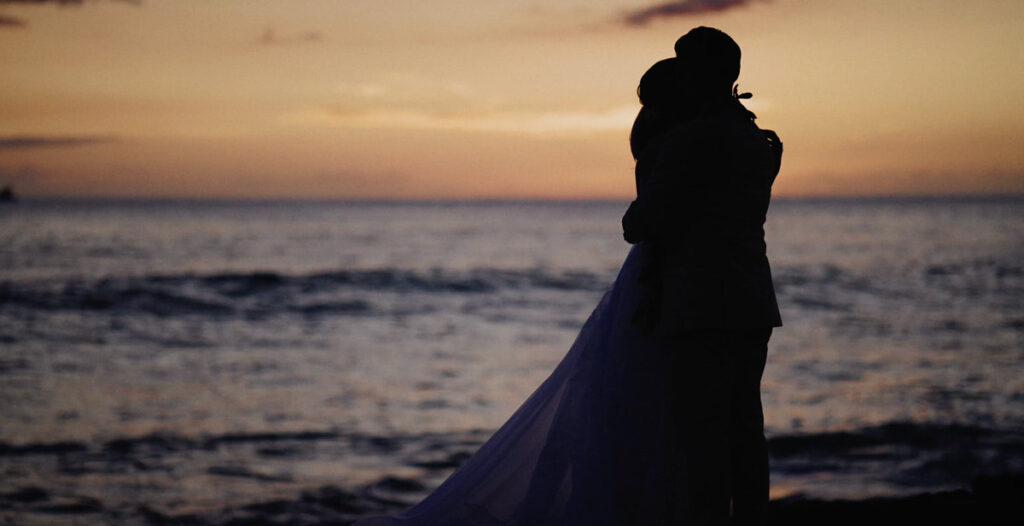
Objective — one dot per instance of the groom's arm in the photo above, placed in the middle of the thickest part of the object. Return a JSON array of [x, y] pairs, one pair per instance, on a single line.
[[671, 192]]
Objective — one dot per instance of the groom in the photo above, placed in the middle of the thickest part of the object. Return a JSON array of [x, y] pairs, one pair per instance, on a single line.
[[704, 207]]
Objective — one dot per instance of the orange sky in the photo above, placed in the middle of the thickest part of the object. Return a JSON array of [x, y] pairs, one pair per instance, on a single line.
[[469, 99]]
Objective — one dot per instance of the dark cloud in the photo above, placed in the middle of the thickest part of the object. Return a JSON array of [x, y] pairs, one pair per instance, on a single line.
[[24, 142], [7, 21], [271, 38], [55, 2], [10, 21], [641, 17], [40, 2]]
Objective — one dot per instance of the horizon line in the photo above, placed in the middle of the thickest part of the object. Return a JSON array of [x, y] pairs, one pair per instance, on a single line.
[[242, 199]]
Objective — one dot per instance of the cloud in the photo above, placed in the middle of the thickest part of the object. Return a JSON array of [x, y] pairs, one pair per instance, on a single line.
[[643, 16], [56, 2], [271, 38], [406, 92], [24, 142], [9, 22], [405, 100], [559, 122], [40, 2]]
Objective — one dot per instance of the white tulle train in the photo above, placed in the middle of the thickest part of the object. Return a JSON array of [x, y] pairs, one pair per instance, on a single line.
[[595, 444]]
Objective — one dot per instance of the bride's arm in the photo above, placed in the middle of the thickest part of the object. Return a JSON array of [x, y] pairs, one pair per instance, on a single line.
[[634, 223]]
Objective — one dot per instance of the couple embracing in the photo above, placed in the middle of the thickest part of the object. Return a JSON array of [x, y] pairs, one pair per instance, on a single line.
[[654, 415]]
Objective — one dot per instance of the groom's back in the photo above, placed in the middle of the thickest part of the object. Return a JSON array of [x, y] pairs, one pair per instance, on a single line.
[[719, 171]]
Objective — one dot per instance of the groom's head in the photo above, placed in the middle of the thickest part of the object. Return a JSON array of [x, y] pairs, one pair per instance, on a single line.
[[709, 61]]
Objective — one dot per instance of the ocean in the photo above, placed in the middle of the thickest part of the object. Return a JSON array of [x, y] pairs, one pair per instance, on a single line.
[[166, 358]]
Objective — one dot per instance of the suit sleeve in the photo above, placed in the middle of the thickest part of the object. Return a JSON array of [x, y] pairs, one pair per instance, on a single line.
[[775, 146], [665, 196]]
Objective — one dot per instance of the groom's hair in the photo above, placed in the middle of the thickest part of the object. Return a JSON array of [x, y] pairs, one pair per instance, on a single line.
[[709, 57]]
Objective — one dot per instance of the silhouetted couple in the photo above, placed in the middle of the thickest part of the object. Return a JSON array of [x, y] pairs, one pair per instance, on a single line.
[[654, 415]]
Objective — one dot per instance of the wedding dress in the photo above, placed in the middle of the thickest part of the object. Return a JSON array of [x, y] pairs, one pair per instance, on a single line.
[[594, 445]]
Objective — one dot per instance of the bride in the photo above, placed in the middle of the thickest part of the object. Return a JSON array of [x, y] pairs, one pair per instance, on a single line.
[[601, 441]]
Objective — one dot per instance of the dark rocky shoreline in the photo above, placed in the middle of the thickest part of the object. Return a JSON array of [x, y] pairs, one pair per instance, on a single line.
[[258, 478], [990, 499]]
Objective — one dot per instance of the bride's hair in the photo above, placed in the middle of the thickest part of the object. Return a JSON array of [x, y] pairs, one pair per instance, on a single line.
[[664, 101], [658, 93], [658, 84]]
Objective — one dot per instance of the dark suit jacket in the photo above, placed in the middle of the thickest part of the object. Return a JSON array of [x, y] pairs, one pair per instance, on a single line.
[[702, 198]]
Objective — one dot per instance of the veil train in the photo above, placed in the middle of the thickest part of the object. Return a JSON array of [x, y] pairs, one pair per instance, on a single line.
[[595, 444]]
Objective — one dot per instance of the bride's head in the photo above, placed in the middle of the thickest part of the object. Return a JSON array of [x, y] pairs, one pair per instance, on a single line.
[[658, 87], [659, 98]]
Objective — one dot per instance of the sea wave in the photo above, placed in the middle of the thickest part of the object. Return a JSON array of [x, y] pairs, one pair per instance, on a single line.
[[913, 444], [261, 292], [824, 287]]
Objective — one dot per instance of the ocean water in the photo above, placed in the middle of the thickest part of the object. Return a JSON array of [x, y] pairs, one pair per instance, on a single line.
[[161, 358]]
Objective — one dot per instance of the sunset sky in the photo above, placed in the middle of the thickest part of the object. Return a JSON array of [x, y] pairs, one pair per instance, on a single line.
[[490, 99]]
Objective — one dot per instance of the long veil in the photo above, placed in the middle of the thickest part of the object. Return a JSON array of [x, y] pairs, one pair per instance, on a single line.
[[595, 444]]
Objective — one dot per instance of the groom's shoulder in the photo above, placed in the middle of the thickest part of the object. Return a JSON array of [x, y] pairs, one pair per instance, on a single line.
[[710, 131], [691, 132]]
